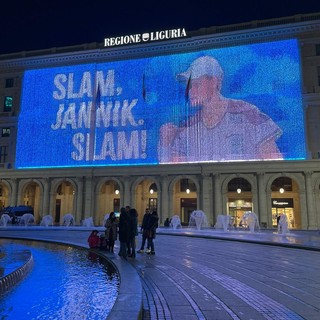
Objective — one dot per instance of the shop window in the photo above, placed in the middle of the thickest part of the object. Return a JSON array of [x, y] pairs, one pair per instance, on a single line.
[[6, 132], [8, 103], [9, 83], [3, 154]]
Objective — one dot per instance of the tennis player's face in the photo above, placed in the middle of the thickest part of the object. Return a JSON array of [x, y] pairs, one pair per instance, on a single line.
[[202, 90]]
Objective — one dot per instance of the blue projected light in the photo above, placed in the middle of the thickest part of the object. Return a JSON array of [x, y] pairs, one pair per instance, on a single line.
[[229, 104]]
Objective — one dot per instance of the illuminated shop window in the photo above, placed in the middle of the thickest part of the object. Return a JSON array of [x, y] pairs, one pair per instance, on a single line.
[[3, 154], [9, 83], [8, 102], [5, 132]]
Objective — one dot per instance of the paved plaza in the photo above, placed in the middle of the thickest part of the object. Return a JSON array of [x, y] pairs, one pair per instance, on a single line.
[[212, 275]]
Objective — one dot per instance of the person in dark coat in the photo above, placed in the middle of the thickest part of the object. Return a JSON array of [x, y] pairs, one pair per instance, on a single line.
[[133, 232], [111, 231], [144, 224], [151, 228], [123, 233]]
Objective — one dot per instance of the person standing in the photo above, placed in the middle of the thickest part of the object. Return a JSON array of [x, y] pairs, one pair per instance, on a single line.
[[111, 231], [143, 230], [123, 233], [133, 232], [151, 231]]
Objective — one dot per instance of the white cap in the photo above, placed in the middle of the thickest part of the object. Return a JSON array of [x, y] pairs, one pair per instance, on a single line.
[[203, 66]]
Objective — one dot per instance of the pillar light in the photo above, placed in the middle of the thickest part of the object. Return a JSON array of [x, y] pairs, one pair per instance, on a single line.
[[238, 190], [188, 190], [281, 190]]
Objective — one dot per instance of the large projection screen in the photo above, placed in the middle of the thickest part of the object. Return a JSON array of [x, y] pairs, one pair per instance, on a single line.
[[240, 103]]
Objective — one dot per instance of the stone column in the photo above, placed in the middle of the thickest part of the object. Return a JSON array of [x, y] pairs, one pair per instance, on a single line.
[[127, 192], [205, 197], [311, 212], [164, 199], [217, 196], [14, 190], [46, 194], [79, 202], [262, 200], [88, 199]]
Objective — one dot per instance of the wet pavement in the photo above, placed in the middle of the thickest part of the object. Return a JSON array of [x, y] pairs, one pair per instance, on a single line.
[[208, 274]]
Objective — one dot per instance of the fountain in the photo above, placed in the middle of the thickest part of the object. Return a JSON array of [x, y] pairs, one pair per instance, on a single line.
[[251, 220], [223, 222], [26, 219], [68, 220], [88, 222], [175, 222], [283, 224], [198, 219], [46, 221], [5, 218]]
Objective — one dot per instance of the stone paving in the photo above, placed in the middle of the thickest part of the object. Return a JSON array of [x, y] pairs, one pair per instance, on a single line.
[[214, 275]]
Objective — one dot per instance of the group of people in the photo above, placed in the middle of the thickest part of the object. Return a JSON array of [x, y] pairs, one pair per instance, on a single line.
[[127, 229]]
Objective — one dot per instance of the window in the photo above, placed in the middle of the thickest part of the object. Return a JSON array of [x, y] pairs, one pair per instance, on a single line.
[[3, 154], [318, 49], [8, 103], [5, 132], [9, 83], [318, 69]]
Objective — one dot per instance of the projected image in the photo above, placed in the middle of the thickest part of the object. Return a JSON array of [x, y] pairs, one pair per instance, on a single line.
[[228, 104], [222, 129]]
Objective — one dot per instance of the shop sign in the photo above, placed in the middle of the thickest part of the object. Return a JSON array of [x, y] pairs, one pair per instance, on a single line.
[[282, 203]]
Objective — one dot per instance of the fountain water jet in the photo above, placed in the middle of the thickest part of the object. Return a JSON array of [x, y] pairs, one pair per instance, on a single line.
[[88, 222], [198, 219], [46, 220], [283, 224], [223, 222], [5, 218], [26, 219], [68, 220], [175, 222], [251, 219]]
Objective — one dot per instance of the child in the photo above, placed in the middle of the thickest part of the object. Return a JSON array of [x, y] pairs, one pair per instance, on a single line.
[[94, 239]]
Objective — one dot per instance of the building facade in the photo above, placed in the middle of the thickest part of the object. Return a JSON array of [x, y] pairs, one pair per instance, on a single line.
[[51, 158]]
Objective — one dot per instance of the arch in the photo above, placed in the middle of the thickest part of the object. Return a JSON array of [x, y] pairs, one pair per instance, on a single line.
[[106, 200], [5, 195], [31, 194], [183, 204], [142, 198], [297, 195], [236, 204], [64, 201]]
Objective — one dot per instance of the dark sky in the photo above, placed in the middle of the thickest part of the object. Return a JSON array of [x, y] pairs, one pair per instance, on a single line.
[[42, 24]]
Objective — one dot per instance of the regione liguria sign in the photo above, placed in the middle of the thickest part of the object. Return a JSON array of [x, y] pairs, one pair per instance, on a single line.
[[145, 37]]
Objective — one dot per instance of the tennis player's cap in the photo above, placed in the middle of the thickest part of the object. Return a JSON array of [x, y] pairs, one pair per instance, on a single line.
[[203, 66]]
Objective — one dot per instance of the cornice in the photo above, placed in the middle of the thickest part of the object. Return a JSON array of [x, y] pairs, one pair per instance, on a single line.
[[301, 30]]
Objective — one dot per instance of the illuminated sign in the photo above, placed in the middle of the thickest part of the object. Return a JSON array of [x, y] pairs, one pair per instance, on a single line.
[[145, 37], [282, 203], [227, 104]]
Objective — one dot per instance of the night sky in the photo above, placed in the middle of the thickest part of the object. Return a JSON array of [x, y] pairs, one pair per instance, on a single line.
[[42, 24]]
